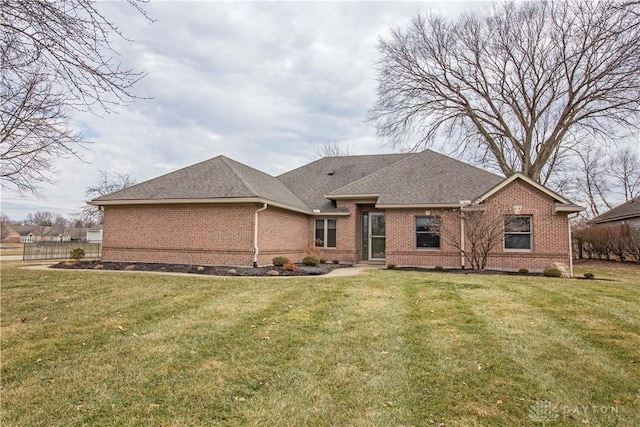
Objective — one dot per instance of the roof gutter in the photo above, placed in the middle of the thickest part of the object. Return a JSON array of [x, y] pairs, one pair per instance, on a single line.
[[219, 200], [255, 234], [420, 206]]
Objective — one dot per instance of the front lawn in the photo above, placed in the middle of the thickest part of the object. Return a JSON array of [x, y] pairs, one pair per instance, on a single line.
[[385, 348]]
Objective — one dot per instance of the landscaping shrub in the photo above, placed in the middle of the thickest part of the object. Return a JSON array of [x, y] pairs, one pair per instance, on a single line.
[[552, 272], [523, 270], [311, 260], [323, 261], [439, 267], [391, 266], [336, 261], [589, 275], [279, 261], [290, 267], [76, 254]]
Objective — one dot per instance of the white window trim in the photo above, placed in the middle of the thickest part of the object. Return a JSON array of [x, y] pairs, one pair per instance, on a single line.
[[530, 233], [415, 229]]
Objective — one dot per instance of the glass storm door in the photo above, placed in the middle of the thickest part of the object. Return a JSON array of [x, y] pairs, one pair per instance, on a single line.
[[376, 236]]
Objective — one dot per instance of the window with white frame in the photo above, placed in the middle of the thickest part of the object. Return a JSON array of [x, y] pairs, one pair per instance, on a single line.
[[428, 232], [325, 233], [517, 232]]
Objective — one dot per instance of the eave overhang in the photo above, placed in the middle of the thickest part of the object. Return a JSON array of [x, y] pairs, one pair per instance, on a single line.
[[567, 208], [212, 201], [614, 218], [421, 206], [352, 196]]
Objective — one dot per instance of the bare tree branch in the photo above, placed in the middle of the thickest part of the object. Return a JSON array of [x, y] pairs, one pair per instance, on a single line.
[[515, 85], [333, 149], [107, 183], [56, 57]]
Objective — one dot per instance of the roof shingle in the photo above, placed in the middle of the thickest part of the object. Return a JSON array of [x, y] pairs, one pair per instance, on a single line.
[[630, 209], [313, 181], [425, 178], [217, 178]]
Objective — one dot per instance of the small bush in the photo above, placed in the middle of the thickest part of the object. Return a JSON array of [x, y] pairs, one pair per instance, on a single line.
[[76, 254], [323, 261], [311, 260], [439, 267], [589, 275], [336, 261], [552, 272], [391, 266], [523, 270], [290, 267], [279, 261]]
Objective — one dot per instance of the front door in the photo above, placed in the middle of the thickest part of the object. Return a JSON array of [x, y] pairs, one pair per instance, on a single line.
[[376, 236]]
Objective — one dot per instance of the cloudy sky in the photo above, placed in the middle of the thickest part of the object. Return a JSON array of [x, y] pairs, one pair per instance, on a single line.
[[265, 83]]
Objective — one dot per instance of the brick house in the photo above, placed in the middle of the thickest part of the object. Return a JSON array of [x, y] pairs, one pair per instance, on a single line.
[[394, 208]]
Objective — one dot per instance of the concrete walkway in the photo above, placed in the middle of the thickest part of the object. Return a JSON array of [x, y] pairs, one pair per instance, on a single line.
[[338, 272], [10, 258]]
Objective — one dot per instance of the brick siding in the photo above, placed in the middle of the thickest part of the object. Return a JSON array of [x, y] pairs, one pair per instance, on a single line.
[[549, 232], [189, 234], [222, 234], [282, 233]]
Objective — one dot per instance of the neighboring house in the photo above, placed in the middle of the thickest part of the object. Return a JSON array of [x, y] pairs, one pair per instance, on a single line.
[[22, 234], [626, 213], [394, 208], [34, 234]]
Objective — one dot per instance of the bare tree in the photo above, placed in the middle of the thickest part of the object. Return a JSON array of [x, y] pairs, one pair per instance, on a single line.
[[624, 168], [46, 224], [5, 221], [517, 86], [56, 57], [483, 231], [591, 178], [333, 149], [107, 183]]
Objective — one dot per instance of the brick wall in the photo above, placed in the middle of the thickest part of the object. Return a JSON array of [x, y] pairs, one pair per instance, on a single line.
[[282, 233], [189, 234], [401, 239], [223, 234], [549, 231]]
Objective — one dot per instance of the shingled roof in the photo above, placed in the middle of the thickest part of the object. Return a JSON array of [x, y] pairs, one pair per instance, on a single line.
[[627, 210], [313, 181], [426, 179], [423, 179], [217, 178]]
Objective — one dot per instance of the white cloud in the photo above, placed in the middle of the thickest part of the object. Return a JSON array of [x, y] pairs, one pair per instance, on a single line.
[[264, 83]]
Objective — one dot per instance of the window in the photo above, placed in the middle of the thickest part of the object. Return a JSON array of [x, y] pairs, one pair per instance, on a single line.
[[517, 232], [326, 233], [427, 232]]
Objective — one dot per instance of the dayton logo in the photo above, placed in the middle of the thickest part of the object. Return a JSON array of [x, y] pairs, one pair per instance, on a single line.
[[544, 412]]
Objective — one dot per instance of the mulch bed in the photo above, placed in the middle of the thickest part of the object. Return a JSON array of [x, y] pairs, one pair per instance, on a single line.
[[302, 270], [467, 271]]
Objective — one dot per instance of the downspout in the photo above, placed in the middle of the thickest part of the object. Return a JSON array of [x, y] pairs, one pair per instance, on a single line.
[[255, 234], [570, 246], [462, 257]]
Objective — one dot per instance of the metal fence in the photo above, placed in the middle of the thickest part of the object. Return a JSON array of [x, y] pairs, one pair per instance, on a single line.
[[58, 250]]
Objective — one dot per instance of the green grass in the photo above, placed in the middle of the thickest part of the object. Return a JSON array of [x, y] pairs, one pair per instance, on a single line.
[[386, 348]]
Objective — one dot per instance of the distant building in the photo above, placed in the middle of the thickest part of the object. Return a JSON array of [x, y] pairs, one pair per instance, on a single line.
[[626, 213]]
